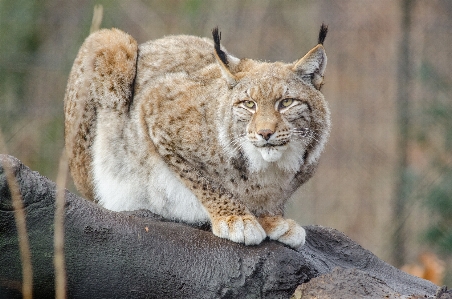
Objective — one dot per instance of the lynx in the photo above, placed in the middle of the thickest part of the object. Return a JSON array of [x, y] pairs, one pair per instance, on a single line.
[[182, 128]]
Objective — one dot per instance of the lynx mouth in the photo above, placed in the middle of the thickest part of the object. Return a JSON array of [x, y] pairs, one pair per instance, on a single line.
[[271, 153], [281, 144]]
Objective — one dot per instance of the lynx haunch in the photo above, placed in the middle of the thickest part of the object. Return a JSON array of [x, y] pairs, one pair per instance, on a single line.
[[181, 127]]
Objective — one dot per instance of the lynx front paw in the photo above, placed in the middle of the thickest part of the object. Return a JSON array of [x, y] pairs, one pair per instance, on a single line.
[[283, 230], [241, 229]]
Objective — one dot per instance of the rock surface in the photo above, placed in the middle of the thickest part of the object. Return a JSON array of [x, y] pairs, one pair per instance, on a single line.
[[353, 283], [139, 255]]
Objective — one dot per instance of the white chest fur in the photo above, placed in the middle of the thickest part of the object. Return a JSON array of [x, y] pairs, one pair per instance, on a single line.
[[119, 183]]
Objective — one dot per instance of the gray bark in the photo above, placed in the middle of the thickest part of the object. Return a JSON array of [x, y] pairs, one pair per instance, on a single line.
[[139, 255]]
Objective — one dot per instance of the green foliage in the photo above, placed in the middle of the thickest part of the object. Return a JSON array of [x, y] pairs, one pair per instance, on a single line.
[[438, 123], [19, 40], [439, 202]]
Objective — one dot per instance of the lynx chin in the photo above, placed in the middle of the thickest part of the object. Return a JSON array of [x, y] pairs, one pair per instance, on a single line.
[[182, 128]]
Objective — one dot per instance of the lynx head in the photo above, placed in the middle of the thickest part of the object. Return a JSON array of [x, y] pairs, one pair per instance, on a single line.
[[279, 116]]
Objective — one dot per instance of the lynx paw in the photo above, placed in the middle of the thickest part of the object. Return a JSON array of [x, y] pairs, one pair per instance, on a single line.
[[283, 230], [241, 229]]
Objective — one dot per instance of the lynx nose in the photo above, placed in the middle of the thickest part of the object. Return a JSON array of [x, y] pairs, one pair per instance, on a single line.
[[266, 134]]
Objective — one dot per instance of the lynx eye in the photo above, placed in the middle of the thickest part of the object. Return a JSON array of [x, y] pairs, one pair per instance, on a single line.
[[249, 104], [286, 103]]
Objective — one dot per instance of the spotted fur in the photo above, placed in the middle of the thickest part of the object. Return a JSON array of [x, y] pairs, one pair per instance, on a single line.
[[181, 127]]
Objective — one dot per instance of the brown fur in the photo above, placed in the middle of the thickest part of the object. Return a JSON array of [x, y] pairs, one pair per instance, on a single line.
[[81, 115], [231, 138]]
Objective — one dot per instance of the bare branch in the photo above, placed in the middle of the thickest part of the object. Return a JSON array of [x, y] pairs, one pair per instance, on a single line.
[[59, 262]]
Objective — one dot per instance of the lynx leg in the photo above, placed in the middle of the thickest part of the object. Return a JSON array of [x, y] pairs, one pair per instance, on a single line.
[[229, 218], [286, 231]]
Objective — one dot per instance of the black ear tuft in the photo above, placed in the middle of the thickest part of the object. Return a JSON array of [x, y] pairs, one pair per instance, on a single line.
[[216, 38], [322, 33]]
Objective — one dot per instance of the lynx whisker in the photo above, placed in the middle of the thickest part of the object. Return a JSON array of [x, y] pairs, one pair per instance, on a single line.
[[235, 145], [303, 132], [235, 140], [313, 135], [306, 134]]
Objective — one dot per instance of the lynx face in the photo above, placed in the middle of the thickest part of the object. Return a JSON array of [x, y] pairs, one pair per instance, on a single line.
[[273, 119]]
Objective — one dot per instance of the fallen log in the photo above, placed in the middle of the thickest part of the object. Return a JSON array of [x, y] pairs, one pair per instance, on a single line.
[[139, 255]]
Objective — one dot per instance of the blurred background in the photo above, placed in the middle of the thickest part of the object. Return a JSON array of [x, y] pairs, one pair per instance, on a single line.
[[385, 178]]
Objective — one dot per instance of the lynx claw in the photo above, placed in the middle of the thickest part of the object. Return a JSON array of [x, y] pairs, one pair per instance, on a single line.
[[241, 229], [286, 231]]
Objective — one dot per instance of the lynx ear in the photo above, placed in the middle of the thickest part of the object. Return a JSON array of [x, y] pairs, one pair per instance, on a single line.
[[226, 61], [312, 66]]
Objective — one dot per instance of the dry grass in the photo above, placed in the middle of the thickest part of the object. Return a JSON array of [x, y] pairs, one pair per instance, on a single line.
[[97, 18], [21, 224], [19, 214], [59, 262], [63, 170]]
